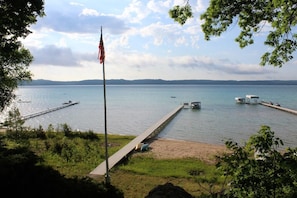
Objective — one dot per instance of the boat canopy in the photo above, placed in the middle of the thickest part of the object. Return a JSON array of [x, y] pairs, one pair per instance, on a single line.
[[252, 96], [239, 98]]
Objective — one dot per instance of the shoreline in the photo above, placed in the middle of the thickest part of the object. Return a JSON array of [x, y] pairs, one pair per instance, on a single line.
[[163, 148]]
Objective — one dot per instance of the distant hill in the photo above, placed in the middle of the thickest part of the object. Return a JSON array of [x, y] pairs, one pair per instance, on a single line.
[[160, 82]]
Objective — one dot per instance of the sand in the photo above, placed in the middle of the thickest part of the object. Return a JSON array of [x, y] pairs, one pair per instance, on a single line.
[[173, 149]]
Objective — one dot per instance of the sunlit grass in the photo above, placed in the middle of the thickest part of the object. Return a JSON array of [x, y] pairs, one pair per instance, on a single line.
[[179, 168], [76, 156]]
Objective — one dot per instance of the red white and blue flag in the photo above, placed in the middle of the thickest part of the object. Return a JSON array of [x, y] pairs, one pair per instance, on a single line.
[[101, 53]]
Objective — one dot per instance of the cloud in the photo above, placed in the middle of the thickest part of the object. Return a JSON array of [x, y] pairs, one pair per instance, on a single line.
[[79, 20], [135, 12], [52, 55], [193, 64], [141, 41], [76, 4], [225, 66], [171, 33], [81, 24], [159, 6], [89, 12]]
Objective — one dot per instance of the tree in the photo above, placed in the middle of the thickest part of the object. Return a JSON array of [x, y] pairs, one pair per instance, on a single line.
[[258, 168], [16, 18], [251, 16], [180, 14], [14, 122]]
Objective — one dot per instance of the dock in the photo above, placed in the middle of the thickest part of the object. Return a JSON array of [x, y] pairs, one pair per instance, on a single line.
[[279, 107], [65, 105], [149, 133]]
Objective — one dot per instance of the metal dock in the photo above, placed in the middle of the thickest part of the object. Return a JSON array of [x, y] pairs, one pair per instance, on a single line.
[[279, 108], [150, 132], [49, 110]]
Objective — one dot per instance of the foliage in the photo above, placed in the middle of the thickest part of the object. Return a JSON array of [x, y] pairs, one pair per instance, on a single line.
[[20, 176], [16, 18], [57, 164], [71, 154], [251, 17], [258, 168], [53, 163], [180, 14], [14, 121]]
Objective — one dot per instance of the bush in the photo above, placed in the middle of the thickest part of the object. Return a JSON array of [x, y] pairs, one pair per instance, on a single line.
[[258, 168]]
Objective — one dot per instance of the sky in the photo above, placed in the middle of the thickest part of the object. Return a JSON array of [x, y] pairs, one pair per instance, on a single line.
[[141, 41]]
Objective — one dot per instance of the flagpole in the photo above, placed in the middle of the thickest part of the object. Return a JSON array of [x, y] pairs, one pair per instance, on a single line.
[[107, 178]]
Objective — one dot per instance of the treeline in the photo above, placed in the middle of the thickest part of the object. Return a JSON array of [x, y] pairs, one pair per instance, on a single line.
[[160, 82]]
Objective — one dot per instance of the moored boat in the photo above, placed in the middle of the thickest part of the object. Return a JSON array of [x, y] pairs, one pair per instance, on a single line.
[[196, 105], [252, 99], [240, 100], [69, 102]]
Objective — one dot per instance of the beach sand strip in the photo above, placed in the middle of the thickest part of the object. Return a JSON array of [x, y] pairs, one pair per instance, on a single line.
[[174, 149]]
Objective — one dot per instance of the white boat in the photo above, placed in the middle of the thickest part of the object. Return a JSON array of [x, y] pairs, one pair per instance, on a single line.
[[252, 99], [240, 100], [196, 105]]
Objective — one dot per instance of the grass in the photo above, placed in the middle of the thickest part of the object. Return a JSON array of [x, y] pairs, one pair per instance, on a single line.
[[183, 168], [140, 174], [76, 155]]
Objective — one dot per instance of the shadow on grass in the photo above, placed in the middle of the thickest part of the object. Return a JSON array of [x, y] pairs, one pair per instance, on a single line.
[[22, 176]]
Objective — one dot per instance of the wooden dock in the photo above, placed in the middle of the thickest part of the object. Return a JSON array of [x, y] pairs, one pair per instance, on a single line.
[[279, 107], [26, 117], [150, 132]]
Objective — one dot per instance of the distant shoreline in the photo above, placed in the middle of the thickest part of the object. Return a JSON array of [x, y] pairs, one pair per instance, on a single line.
[[159, 82]]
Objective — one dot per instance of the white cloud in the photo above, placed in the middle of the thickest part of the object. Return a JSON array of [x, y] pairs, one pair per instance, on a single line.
[[159, 6], [135, 12], [62, 43], [89, 12], [76, 4], [165, 34], [200, 6], [141, 41]]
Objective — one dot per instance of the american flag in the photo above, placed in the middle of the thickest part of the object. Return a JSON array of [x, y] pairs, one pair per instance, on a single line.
[[101, 53]]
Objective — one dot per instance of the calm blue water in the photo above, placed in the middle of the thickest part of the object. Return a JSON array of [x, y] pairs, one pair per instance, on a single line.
[[131, 109]]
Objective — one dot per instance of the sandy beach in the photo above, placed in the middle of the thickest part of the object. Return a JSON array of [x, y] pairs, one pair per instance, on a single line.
[[169, 149]]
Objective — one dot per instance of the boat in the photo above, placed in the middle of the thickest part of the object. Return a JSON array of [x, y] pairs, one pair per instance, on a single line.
[[252, 99], [240, 100], [23, 101], [66, 103], [196, 105], [186, 105]]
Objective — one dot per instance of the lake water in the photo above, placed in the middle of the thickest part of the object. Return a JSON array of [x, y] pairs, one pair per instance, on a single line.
[[131, 109]]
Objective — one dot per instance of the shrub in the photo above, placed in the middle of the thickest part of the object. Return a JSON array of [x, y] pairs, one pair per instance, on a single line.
[[269, 173]]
